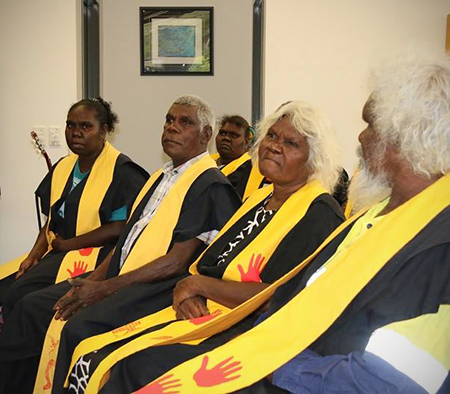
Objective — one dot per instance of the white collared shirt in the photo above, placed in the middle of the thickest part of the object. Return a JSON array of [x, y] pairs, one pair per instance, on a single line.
[[170, 177]]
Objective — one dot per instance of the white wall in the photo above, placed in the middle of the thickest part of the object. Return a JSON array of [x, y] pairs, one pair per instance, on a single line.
[[38, 83], [321, 51], [40, 78], [142, 101]]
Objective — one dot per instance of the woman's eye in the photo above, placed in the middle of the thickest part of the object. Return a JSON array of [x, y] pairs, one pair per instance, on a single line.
[[292, 143]]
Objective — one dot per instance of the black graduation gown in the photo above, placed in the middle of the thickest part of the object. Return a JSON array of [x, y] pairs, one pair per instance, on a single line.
[[414, 282], [321, 219], [128, 179], [208, 205]]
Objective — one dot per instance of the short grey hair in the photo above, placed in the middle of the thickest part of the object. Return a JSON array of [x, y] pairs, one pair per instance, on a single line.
[[205, 113], [410, 104], [314, 125]]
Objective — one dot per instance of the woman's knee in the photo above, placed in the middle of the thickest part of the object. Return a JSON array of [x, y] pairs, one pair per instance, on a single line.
[[17, 290]]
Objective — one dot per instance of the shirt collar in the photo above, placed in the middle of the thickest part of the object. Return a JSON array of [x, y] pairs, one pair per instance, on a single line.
[[169, 170]]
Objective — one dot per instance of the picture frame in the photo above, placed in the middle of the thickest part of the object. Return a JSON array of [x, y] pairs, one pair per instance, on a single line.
[[176, 40]]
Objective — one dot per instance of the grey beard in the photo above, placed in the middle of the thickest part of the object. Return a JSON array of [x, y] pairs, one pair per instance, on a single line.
[[366, 188]]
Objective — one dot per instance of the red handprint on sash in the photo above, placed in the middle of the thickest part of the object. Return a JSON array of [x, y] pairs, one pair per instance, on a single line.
[[254, 269], [204, 319], [78, 269], [218, 374], [85, 251], [160, 386]]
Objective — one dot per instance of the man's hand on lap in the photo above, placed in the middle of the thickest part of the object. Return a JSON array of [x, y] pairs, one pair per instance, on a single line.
[[84, 293]]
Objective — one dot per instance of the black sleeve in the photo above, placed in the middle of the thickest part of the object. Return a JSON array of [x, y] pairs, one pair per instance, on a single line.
[[44, 189], [209, 208], [239, 178], [321, 219], [128, 180]]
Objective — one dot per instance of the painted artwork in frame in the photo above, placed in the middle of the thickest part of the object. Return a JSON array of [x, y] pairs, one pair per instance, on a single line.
[[176, 40]]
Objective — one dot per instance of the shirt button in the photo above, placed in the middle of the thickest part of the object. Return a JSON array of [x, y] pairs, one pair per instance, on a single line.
[[369, 225]]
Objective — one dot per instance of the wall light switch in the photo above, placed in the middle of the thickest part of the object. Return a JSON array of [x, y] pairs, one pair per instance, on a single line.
[[54, 136]]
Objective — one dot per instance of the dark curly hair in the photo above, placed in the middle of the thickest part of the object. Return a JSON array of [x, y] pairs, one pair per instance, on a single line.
[[239, 122], [102, 108]]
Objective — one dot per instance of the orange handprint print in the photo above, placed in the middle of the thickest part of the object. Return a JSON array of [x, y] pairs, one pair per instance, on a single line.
[[218, 374], [254, 270], [78, 269], [85, 251], [204, 319], [160, 386]]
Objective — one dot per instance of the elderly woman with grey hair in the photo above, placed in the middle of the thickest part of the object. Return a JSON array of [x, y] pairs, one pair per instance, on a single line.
[[275, 229]]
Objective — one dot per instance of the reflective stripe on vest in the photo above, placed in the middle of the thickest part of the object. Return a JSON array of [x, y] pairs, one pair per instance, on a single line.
[[419, 347]]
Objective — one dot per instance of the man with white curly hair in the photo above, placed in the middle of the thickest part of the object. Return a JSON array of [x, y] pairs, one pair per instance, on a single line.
[[369, 311], [180, 208]]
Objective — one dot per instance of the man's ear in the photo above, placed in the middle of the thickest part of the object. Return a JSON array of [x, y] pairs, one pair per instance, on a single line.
[[206, 134]]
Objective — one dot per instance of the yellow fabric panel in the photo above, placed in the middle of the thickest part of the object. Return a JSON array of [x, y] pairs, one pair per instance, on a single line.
[[88, 219], [11, 266], [235, 164], [215, 156], [430, 332], [257, 198], [47, 362], [97, 184], [59, 179], [76, 262], [158, 232], [272, 343], [290, 212], [276, 230], [144, 190], [360, 228], [254, 182], [255, 178], [264, 244]]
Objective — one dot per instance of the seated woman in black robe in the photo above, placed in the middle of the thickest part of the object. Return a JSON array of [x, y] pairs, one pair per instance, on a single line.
[[233, 141], [275, 229], [86, 196]]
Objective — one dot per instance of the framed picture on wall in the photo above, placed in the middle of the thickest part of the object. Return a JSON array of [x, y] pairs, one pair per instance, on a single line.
[[176, 40]]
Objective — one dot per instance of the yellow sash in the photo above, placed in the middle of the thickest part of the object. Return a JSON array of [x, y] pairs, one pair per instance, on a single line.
[[254, 182], [418, 347], [255, 178], [235, 164], [261, 248], [158, 233], [274, 342], [88, 218]]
